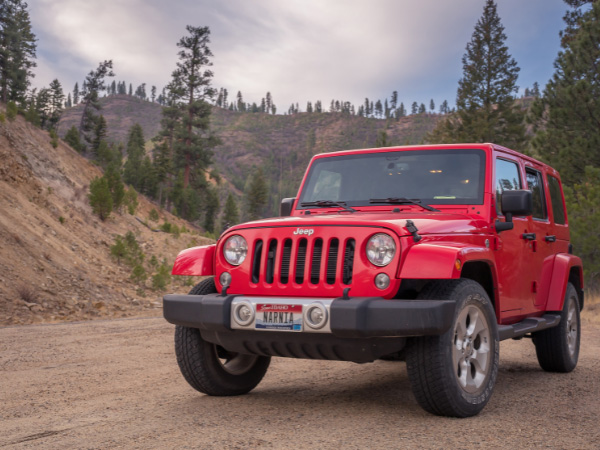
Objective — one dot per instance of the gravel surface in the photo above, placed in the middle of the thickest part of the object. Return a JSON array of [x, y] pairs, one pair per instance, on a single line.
[[115, 384]]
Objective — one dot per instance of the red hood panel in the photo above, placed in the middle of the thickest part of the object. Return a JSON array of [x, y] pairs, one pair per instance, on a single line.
[[426, 222]]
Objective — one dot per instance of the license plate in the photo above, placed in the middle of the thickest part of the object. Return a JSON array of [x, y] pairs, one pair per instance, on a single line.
[[277, 317]]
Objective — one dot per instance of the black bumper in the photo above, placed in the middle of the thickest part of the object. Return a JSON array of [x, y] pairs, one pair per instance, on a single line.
[[360, 317]]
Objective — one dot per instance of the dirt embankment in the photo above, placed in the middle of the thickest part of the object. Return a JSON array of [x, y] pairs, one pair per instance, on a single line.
[[55, 262], [115, 384]]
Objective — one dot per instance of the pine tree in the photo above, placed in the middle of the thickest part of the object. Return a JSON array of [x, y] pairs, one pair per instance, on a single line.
[[130, 90], [100, 131], [76, 94], [394, 100], [68, 103], [318, 107], [17, 51], [132, 170], [401, 112], [414, 108], [536, 89], [567, 115], [422, 109], [100, 198], [431, 105], [191, 88], [382, 139], [211, 207], [93, 84], [72, 138], [485, 103], [231, 214], [153, 93], [57, 98], [378, 108], [257, 195]]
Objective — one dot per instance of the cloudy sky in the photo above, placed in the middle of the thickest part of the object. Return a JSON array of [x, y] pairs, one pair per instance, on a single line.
[[298, 50]]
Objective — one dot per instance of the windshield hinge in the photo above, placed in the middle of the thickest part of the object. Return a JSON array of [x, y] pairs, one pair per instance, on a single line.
[[412, 229]]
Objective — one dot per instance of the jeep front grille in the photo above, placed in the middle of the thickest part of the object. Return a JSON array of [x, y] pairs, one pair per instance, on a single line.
[[301, 252]]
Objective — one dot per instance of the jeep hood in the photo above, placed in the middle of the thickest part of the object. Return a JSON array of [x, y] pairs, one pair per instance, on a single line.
[[426, 222]]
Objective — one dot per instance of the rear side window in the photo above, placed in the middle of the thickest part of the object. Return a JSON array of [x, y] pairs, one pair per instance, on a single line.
[[558, 208], [536, 186], [507, 179]]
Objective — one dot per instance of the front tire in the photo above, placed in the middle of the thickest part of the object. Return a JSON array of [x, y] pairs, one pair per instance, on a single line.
[[211, 369], [454, 374], [557, 348]]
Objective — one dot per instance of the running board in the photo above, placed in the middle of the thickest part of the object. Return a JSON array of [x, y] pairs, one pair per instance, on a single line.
[[529, 325]]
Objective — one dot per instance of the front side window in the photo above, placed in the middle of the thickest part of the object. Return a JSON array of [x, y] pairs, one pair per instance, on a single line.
[[536, 186], [507, 179], [439, 177]]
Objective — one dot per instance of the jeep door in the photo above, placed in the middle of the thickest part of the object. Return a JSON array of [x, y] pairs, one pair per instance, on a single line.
[[513, 253]]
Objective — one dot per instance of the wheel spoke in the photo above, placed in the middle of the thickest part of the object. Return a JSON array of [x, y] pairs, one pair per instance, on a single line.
[[464, 368], [477, 325]]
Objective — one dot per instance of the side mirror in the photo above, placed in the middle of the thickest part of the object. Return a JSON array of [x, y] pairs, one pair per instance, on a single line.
[[514, 203], [285, 209]]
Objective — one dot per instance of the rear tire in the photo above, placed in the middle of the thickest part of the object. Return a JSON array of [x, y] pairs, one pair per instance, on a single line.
[[211, 369], [454, 374], [557, 348]]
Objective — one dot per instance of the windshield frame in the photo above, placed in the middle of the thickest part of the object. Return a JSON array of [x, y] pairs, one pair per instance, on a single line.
[[308, 182]]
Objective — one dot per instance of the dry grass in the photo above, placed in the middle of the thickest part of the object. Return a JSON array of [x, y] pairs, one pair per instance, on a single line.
[[591, 308]]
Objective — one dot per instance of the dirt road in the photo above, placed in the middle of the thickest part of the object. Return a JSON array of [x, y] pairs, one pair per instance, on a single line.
[[115, 384]]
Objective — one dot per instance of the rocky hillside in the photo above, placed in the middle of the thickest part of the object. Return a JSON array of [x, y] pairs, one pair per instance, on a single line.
[[55, 261]]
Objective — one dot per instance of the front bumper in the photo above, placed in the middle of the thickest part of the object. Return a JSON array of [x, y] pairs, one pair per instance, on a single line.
[[359, 317], [358, 329]]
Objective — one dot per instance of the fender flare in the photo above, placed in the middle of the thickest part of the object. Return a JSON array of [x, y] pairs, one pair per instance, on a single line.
[[563, 264], [195, 261], [437, 260]]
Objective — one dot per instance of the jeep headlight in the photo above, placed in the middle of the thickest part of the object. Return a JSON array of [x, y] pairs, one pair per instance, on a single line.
[[381, 249], [235, 250]]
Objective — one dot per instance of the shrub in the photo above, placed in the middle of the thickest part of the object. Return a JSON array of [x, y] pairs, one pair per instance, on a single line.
[[138, 274], [61, 219], [131, 200], [161, 278], [153, 216], [2, 117], [11, 111], [53, 138], [166, 227]]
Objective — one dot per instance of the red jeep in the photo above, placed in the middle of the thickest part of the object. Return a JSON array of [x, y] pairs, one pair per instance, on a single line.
[[432, 254]]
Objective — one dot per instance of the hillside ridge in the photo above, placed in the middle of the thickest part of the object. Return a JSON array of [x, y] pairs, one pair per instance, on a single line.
[[55, 261]]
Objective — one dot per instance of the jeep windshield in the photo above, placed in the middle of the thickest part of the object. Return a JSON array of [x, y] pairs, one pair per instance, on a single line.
[[429, 177]]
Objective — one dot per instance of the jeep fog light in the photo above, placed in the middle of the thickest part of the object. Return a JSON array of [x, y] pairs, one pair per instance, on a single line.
[[225, 279], [381, 249], [235, 250], [382, 281], [243, 313], [316, 316]]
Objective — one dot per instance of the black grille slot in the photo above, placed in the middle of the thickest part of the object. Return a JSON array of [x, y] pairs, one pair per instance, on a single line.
[[348, 261], [315, 265], [258, 245], [286, 256], [332, 260], [271, 261], [301, 260]]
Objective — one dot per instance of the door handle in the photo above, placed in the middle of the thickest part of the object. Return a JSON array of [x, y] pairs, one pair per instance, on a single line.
[[528, 236], [550, 238]]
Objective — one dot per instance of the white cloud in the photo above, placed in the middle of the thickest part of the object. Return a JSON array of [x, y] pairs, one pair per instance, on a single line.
[[298, 50]]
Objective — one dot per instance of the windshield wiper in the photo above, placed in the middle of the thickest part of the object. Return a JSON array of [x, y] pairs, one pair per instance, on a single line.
[[402, 200], [327, 203]]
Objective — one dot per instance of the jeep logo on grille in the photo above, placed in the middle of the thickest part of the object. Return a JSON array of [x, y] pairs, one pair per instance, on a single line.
[[306, 231]]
